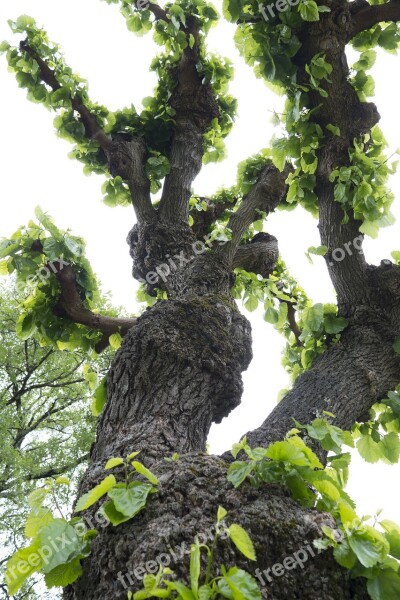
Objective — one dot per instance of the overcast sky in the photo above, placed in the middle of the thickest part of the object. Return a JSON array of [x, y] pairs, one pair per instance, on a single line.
[[36, 170]]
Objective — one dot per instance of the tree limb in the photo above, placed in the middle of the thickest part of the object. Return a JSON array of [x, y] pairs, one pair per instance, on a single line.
[[346, 380], [70, 305], [195, 107], [369, 16], [159, 13], [92, 128], [127, 159], [265, 196], [259, 256], [293, 323]]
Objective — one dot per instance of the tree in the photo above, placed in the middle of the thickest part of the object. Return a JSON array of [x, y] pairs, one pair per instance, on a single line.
[[179, 367], [46, 428]]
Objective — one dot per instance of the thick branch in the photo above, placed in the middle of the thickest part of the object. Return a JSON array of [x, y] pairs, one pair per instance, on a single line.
[[70, 305], [127, 159], [346, 380], [259, 256], [159, 13], [92, 128], [369, 16], [354, 118], [265, 196], [195, 108]]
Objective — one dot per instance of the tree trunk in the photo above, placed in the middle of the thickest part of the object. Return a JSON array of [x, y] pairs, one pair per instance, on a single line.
[[178, 370]]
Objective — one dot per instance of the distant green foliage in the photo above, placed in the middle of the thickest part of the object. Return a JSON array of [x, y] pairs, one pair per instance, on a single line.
[[45, 427]]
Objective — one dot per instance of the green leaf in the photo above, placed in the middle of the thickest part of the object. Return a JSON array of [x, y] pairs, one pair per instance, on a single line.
[[194, 567], [242, 541], [390, 445], [369, 545], [370, 228], [205, 592], [19, 567], [109, 511], [395, 255], [62, 480], [37, 497], [114, 462], [183, 591], [396, 344], [309, 10], [37, 519], [231, 10], [4, 46], [392, 536], [48, 224], [238, 471], [344, 555], [313, 317], [286, 452], [145, 472], [25, 326], [99, 398], [96, 493], [332, 128], [236, 584], [251, 304], [369, 450], [318, 250], [132, 499], [115, 340], [64, 574], [334, 324], [221, 514], [386, 586], [63, 542], [133, 454]]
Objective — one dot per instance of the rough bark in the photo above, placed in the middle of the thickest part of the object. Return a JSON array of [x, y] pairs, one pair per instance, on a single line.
[[190, 491]]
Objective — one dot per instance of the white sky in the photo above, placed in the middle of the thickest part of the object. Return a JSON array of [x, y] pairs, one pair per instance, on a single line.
[[36, 170]]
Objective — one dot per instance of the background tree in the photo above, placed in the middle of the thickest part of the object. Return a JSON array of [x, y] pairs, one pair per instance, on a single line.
[[46, 427], [179, 367]]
